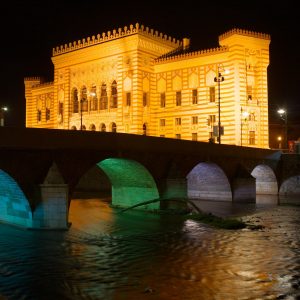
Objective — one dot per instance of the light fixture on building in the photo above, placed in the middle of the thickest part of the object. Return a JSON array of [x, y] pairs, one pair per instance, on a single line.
[[283, 116], [3, 110], [220, 78], [244, 118]]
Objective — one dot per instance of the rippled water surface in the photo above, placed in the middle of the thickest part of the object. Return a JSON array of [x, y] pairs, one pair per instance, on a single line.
[[133, 255]]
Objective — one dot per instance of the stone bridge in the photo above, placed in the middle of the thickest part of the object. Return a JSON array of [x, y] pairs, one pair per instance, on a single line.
[[41, 170]]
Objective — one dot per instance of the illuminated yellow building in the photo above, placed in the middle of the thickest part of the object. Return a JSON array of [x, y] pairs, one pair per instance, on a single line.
[[137, 80]]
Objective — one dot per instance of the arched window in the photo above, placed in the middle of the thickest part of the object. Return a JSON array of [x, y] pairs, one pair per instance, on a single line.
[[114, 95], [102, 127], [75, 100], [83, 127], [113, 127], [103, 97], [94, 100], [73, 128], [92, 127], [83, 99], [144, 129]]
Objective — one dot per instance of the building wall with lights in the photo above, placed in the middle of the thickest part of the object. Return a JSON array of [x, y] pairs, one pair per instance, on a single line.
[[136, 80]]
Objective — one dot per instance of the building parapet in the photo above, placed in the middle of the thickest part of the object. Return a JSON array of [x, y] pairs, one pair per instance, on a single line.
[[112, 35], [244, 32], [192, 54], [43, 84]]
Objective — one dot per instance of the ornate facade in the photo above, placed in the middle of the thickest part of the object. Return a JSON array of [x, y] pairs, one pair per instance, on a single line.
[[137, 80]]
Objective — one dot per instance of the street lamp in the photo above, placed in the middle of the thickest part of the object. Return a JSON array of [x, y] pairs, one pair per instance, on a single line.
[[81, 101], [279, 142], [244, 117], [219, 79], [283, 116], [3, 109]]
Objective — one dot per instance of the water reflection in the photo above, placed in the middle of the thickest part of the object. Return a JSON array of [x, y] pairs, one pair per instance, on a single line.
[[111, 255]]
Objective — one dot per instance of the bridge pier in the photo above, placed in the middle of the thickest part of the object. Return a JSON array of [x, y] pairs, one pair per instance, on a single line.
[[244, 190], [52, 210]]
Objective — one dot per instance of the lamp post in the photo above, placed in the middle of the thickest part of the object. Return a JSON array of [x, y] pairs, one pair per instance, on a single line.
[[244, 117], [279, 142], [3, 109], [219, 79], [283, 116], [81, 101]]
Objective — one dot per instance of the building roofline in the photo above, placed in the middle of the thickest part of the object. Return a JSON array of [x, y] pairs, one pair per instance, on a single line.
[[193, 54], [245, 33], [113, 35]]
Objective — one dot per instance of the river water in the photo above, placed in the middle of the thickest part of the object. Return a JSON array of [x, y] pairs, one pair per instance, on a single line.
[[134, 255]]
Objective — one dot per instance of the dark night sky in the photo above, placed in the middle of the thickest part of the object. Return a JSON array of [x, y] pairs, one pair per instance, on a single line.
[[30, 29]]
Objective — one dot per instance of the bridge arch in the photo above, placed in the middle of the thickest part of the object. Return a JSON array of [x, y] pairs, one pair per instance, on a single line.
[[14, 206], [131, 182], [290, 186], [266, 181], [208, 181]]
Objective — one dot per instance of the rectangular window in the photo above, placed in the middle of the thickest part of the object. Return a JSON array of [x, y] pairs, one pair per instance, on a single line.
[[194, 136], [178, 98], [195, 120], [128, 99], [251, 137], [211, 120], [177, 121], [145, 99], [252, 117], [162, 99], [249, 92], [47, 114], [39, 115], [195, 96], [212, 94], [162, 135], [162, 122], [178, 136]]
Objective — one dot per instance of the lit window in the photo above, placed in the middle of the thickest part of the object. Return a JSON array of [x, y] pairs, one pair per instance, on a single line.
[[177, 121], [195, 96], [83, 99], [211, 120], [252, 116], [114, 95], [162, 99], [75, 101], [195, 120], [103, 97], [212, 94], [162, 135], [251, 137], [94, 100], [162, 122], [178, 136], [113, 127], [178, 98], [194, 136]]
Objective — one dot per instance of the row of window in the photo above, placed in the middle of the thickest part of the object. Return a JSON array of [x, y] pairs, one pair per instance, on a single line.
[[47, 115], [102, 103]]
